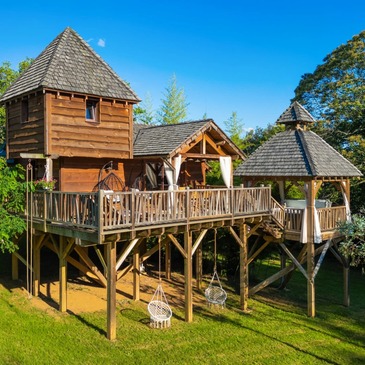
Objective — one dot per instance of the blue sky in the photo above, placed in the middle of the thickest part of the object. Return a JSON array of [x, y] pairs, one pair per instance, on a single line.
[[243, 56]]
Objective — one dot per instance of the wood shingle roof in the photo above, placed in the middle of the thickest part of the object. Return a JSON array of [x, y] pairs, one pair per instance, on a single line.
[[69, 64], [296, 153], [295, 113], [167, 140]]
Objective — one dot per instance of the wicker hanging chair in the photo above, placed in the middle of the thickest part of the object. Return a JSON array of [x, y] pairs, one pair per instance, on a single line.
[[215, 294], [110, 182], [158, 307]]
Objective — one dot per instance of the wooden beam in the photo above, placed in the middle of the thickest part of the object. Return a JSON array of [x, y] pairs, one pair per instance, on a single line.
[[111, 291], [236, 238], [178, 246], [188, 273], [198, 240], [62, 275], [294, 260], [311, 306], [259, 250], [136, 273], [127, 251], [244, 282], [321, 258]]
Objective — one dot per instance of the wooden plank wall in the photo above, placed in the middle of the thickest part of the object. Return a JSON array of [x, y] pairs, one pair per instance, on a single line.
[[71, 135], [26, 137], [81, 174]]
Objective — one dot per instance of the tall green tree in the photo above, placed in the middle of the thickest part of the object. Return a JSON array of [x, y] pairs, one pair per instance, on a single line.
[[335, 94], [235, 129], [7, 76], [174, 108], [143, 113]]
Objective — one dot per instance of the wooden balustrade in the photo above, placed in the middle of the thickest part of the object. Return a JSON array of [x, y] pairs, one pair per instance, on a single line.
[[293, 219], [330, 217], [113, 210]]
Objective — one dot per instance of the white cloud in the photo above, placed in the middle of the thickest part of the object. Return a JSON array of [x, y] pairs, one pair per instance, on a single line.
[[101, 42]]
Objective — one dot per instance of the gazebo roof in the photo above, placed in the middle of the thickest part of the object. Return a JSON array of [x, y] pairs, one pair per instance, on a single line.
[[296, 153], [69, 64]]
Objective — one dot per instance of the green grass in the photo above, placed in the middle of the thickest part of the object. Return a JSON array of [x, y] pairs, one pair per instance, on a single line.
[[277, 331]]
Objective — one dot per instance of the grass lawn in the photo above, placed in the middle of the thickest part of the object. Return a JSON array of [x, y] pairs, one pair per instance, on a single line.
[[277, 331]]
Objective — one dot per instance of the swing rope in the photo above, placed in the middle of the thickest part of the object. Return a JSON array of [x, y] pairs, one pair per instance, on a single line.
[[215, 294], [158, 307]]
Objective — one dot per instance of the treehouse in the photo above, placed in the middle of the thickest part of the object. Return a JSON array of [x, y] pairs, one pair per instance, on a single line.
[[301, 158], [70, 117]]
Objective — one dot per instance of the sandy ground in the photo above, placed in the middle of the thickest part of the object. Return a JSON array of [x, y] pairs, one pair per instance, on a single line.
[[83, 295]]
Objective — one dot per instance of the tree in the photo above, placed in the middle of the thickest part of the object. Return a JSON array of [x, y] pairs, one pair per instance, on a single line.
[[335, 94], [234, 129], [255, 138], [174, 106], [353, 245], [12, 192], [143, 113], [7, 76]]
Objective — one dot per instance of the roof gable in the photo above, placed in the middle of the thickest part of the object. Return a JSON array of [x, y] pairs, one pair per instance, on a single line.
[[168, 140], [69, 64], [295, 114]]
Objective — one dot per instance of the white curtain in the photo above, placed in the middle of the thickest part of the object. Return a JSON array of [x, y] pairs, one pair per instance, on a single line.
[[169, 173], [151, 176], [346, 201], [317, 227], [226, 169], [177, 165]]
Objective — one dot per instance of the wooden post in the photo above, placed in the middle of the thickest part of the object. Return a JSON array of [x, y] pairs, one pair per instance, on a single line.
[[346, 291], [63, 275], [14, 267], [111, 291], [136, 272], [243, 268], [168, 260], [199, 266], [37, 267], [188, 272], [310, 250]]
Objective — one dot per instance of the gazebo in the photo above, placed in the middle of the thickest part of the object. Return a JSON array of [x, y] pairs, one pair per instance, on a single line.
[[300, 157]]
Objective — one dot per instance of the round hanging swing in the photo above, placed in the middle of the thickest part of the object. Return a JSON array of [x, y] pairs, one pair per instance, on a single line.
[[215, 294], [158, 307]]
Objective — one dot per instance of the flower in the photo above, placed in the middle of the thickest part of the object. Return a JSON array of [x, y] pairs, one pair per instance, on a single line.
[[44, 184]]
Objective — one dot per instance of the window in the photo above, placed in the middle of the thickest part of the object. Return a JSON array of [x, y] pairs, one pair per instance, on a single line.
[[25, 111], [92, 110]]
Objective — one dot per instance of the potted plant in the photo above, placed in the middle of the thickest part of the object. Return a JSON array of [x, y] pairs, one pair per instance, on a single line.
[[44, 184]]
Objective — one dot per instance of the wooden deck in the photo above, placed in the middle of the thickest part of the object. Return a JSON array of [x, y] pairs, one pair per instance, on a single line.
[[96, 218]]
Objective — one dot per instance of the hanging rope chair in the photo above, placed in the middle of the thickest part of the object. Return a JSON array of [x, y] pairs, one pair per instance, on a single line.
[[158, 307], [215, 294]]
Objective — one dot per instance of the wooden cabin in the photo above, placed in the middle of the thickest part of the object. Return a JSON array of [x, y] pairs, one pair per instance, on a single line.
[[301, 158]]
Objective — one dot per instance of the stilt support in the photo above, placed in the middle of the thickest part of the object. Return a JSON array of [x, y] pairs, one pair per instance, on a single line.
[[188, 272], [111, 291]]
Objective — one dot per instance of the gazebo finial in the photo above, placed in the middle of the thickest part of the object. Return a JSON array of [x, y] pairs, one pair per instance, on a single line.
[[296, 116]]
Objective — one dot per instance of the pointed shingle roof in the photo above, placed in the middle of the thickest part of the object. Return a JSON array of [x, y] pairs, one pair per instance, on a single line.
[[69, 64], [295, 114], [166, 140], [296, 153]]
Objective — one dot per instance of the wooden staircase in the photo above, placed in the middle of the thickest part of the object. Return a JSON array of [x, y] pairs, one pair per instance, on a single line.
[[275, 226]]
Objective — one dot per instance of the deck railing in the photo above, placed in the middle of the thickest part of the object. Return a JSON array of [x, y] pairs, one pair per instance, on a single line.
[[111, 211]]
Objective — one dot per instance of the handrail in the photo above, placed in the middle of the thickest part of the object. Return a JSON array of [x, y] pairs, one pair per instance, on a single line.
[[278, 213], [107, 211]]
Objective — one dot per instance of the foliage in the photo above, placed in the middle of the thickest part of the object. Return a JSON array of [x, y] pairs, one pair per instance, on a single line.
[[353, 246], [12, 192], [143, 113], [335, 94], [7, 76], [44, 184], [174, 106], [234, 129], [255, 138]]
